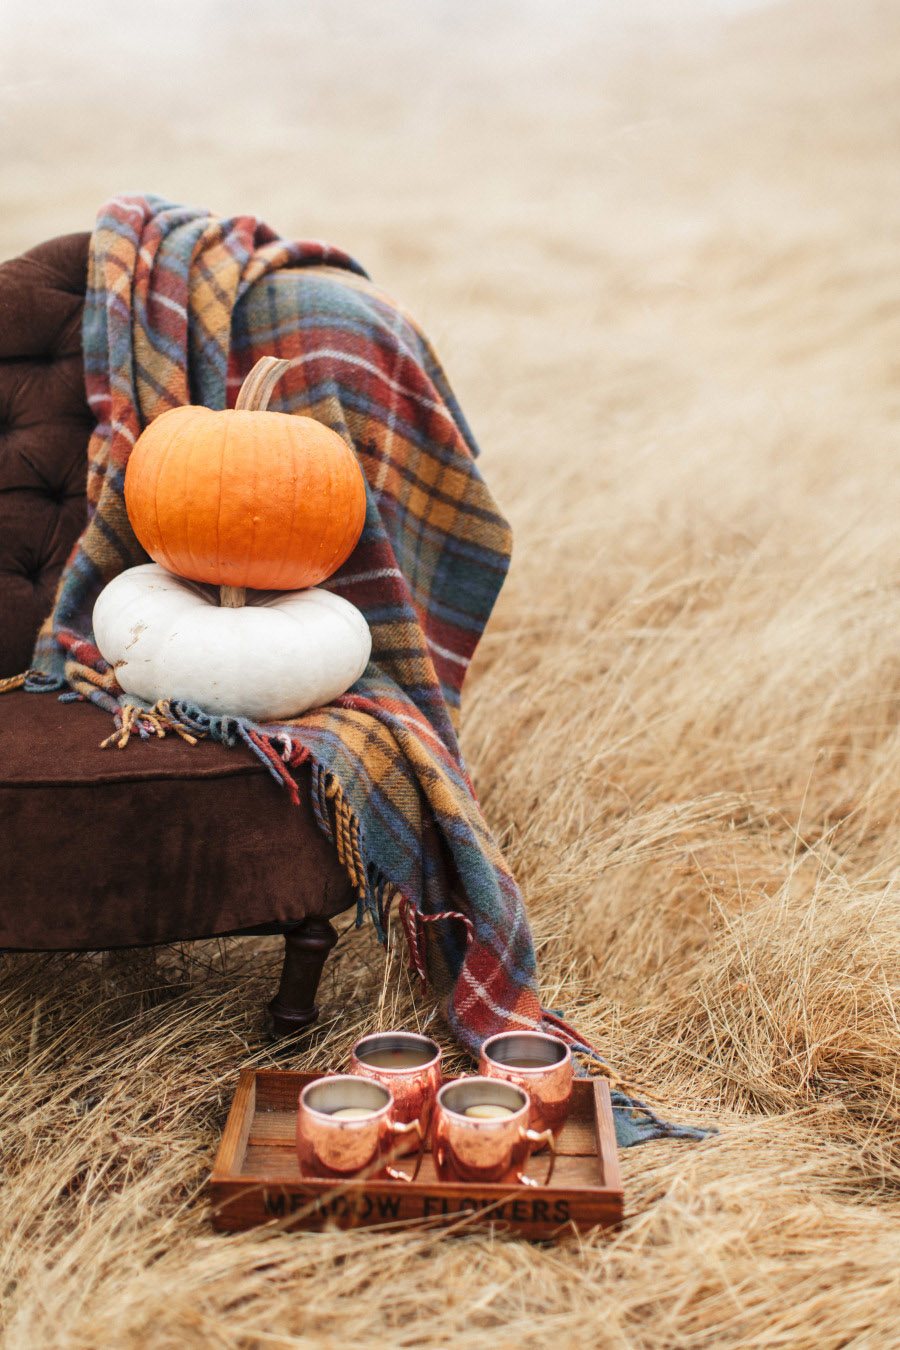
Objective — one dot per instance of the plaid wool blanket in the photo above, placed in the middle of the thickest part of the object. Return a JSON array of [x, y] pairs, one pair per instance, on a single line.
[[180, 305]]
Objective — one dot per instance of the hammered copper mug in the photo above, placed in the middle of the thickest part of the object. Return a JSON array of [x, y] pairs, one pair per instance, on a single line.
[[540, 1064], [346, 1126], [481, 1134], [408, 1065]]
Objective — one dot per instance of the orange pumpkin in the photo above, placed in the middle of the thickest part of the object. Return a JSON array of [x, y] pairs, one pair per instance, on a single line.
[[245, 498]]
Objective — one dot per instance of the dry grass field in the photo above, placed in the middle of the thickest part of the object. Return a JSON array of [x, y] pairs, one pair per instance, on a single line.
[[658, 248]]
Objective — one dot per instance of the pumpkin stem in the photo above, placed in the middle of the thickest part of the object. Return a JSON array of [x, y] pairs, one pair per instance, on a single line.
[[232, 597], [255, 392]]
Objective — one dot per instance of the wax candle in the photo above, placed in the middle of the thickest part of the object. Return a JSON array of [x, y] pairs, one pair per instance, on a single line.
[[351, 1113], [488, 1111], [407, 1057]]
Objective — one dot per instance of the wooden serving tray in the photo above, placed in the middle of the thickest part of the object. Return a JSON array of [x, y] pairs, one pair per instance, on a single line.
[[256, 1178]]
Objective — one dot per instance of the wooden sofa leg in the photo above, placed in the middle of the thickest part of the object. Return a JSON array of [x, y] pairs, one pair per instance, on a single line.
[[306, 948]]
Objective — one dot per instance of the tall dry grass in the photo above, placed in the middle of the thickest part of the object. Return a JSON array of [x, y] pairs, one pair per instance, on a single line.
[[667, 290]]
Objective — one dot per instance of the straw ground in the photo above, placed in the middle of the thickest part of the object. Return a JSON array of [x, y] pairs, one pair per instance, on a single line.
[[663, 269]]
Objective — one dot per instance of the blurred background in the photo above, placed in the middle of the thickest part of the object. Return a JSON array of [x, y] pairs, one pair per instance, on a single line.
[[334, 116], [561, 192]]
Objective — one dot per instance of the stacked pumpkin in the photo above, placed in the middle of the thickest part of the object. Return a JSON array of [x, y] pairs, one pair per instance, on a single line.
[[262, 506]]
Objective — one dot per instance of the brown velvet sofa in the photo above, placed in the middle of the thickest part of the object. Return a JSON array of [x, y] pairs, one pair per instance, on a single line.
[[160, 841]]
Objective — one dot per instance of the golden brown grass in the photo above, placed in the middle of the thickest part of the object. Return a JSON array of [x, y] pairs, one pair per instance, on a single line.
[[662, 264]]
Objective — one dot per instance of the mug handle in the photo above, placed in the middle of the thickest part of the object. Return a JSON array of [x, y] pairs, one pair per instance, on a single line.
[[413, 1127], [533, 1138]]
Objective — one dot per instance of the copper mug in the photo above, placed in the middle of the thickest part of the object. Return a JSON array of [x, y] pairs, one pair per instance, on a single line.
[[540, 1064], [481, 1134], [409, 1066], [346, 1126]]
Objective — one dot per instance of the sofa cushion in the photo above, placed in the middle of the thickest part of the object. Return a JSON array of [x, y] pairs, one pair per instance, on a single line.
[[158, 842], [45, 424]]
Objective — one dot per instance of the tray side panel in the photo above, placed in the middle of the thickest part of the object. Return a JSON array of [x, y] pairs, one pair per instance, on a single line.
[[541, 1212], [279, 1089], [607, 1149], [233, 1147]]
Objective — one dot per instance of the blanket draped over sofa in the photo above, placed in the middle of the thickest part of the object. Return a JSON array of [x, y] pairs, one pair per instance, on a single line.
[[180, 305]]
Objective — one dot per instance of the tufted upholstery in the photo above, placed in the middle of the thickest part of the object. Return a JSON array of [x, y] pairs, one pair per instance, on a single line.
[[44, 426], [102, 848]]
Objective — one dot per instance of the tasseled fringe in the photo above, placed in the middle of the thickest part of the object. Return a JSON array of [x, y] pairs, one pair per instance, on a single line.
[[409, 917], [385, 894], [346, 838], [264, 749], [156, 721], [414, 925], [85, 678], [319, 801], [13, 682]]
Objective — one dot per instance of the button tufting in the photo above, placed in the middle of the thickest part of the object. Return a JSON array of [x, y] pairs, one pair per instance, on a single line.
[[44, 430]]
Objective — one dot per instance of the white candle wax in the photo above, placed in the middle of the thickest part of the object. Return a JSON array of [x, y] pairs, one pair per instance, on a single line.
[[488, 1111]]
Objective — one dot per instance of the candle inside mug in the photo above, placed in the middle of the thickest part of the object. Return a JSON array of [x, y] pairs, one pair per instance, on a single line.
[[482, 1098], [488, 1111], [400, 1057], [350, 1113]]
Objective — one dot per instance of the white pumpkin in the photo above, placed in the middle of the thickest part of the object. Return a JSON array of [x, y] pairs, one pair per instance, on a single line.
[[274, 657]]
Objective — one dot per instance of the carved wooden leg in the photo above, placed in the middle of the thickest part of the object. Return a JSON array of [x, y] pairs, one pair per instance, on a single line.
[[306, 948]]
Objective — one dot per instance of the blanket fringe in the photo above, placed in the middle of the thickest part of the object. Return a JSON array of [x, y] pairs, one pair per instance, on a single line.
[[346, 838], [156, 721], [13, 682]]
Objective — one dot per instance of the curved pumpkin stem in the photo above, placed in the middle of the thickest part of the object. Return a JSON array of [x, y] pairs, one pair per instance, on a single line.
[[253, 396], [257, 388]]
